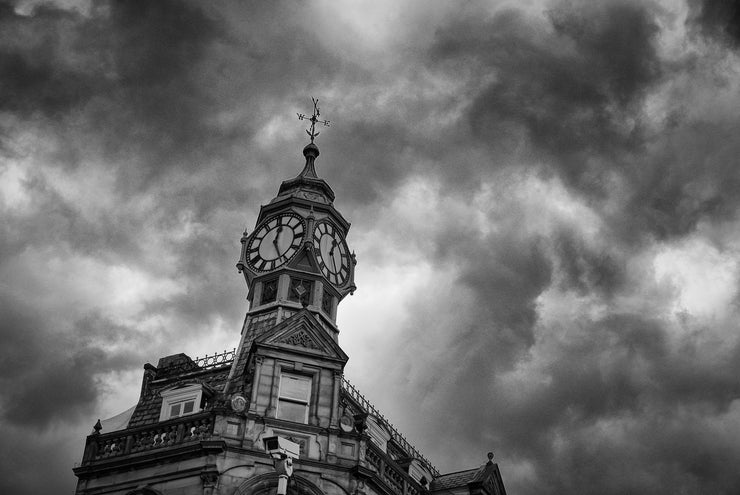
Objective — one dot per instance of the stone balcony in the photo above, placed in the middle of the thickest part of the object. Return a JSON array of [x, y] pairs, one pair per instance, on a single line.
[[185, 436]]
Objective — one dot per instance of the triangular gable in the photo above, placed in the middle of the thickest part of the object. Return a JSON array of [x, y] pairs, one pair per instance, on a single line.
[[301, 332], [305, 261], [489, 480]]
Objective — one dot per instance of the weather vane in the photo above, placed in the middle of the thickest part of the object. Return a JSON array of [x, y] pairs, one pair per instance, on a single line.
[[312, 133]]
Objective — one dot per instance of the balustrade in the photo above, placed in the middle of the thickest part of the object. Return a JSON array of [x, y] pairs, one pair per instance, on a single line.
[[391, 473], [373, 458], [165, 434], [393, 478]]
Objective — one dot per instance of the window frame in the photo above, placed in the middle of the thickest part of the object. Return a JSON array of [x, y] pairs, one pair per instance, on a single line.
[[307, 295], [293, 400], [180, 396], [265, 283], [327, 303]]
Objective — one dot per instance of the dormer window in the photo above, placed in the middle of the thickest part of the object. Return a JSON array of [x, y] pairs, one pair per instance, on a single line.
[[181, 401]]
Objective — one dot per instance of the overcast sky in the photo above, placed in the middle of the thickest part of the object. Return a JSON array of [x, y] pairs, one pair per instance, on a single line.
[[544, 200]]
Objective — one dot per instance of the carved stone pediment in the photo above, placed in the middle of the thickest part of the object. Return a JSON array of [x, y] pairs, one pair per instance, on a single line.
[[302, 333]]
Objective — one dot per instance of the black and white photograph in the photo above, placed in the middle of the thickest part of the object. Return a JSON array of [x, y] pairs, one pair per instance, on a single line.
[[370, 247]]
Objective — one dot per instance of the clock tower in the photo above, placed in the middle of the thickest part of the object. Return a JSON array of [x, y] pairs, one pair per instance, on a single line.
[[297, 267], [296, 256]]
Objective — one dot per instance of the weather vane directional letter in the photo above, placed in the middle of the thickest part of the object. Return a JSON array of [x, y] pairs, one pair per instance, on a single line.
[[314, 119]]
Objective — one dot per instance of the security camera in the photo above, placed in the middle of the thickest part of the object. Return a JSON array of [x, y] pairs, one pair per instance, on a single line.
[[280, 448], [282, 452]]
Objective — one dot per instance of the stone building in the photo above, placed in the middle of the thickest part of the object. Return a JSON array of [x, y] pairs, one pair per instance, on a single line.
[[199, 424]]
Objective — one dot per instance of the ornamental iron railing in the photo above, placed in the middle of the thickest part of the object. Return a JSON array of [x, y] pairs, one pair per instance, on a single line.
[[397, 437], [217, 359]]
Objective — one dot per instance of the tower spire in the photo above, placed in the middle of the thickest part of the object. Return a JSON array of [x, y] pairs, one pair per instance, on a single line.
[[307, 184]]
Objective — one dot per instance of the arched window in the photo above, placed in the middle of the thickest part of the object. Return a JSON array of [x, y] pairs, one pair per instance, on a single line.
[[266, 484]]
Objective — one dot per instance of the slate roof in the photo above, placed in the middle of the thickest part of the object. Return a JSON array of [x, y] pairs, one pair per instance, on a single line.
[[458, 479], [171, 370]]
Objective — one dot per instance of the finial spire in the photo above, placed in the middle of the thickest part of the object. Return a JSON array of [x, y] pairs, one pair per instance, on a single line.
[[314, 119]]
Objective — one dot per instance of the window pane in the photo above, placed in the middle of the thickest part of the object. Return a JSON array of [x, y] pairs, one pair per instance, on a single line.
[[326, 303], [292, 411], [188, 407], [300, 290], [269, 291], [295, 387], [174, 410]]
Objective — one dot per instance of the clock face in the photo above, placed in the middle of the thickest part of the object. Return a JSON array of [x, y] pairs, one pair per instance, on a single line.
[[331, 252], [275, 242]]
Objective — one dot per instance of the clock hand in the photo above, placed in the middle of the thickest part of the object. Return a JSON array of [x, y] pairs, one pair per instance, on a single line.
[[331, 255], [275, 240]]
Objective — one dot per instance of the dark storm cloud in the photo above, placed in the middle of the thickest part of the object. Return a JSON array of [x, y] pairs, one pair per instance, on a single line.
[[156, 89], [611, 398], [121, 80], [610, 392], [52, 220], [719, 19], [125, 76], [42, 363], [589, 379], [34, 79], [586, 269], [153, 110], [691, 176], [606, 394], [366, 164], [55, 60], [505, 289], [127, 86], [573, 88]]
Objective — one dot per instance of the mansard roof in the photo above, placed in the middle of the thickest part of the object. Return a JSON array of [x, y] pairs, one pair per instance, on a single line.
[[174, 370], [457, 479]]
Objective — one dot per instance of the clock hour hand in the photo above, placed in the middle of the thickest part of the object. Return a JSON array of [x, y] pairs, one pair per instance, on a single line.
[[275, 240], [331, 255]]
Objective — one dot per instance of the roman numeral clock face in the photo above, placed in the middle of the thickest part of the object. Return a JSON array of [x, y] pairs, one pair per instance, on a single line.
[[331, 253], [275, 242]]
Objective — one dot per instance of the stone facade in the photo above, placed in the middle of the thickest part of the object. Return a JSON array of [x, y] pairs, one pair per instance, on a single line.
[[199, 425]]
